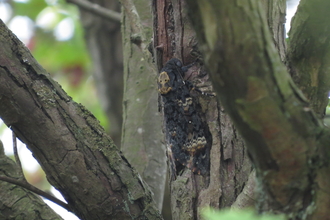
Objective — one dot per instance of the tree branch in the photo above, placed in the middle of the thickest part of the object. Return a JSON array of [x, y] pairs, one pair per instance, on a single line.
[[17, 159], [16, 200], [25, 184], [97, 10], [275, 10], [279, 128], [34, 189], [75, 152], [247, 198], [309, 52]]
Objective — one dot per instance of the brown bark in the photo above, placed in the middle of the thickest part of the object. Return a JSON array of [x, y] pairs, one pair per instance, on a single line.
[[230, 167], [283, 135], [79, 158], [309, 52]]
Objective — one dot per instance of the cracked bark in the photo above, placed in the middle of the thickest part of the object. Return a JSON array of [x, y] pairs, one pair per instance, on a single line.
[[17, 202], [136, 133], [285, 139], [230, 166], [78, 157]]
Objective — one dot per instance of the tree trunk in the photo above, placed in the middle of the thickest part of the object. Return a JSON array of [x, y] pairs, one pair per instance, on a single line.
[[286, 141], [275, 12], [78, 157], [229, 164], [309, 52], [142, 134]]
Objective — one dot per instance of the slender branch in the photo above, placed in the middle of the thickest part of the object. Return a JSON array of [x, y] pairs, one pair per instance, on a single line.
[[25, 184], [97, 10], [18, 161], [34, 189]]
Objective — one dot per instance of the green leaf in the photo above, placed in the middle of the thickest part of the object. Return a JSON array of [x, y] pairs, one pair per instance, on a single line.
[[30, 8], [228, 214]]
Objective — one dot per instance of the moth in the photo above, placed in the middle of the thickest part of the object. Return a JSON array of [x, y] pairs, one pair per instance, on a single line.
[[187, 136]]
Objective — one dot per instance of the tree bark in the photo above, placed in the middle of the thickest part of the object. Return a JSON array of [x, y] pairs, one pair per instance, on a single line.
[[16, 202], [275, 12], [309, 52], [285, 139], [142, 134], [229, 166], [78, 157]]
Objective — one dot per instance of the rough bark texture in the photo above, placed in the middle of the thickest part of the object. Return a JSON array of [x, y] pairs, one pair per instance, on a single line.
[[230, 167], [103, 39], [286, 141], [142, 134], [309, 52], [16, 202], [79, 159], [275, 12]]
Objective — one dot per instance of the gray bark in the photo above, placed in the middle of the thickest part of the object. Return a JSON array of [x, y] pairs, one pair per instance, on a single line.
[[286, 141], [78, 157], [309, 52], [17, 202], [275, 12], [142, 133]]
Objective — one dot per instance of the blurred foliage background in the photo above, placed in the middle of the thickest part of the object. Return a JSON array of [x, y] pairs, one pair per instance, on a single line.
[[244, 214], [52, 31]]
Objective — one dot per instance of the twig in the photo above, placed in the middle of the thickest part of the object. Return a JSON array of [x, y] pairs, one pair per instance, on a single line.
[[25, 184], [34, 189], [18, 161], [97, 9]]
